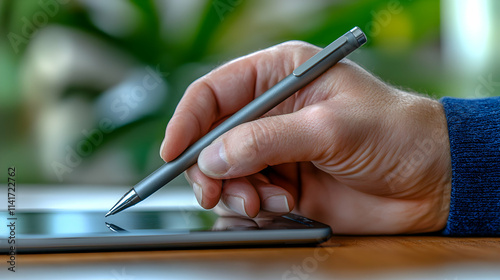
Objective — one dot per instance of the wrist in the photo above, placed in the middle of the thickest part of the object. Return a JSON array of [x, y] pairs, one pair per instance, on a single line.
[[440, 189], [430, 160]]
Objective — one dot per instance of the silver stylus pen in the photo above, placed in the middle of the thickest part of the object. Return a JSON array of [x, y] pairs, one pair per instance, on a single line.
[[301, 76]]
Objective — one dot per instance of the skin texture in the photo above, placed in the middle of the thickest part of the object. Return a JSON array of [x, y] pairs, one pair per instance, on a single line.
[[347, 150]]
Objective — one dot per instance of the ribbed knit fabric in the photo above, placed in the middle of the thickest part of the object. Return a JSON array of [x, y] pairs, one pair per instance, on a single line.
[[474, 130]]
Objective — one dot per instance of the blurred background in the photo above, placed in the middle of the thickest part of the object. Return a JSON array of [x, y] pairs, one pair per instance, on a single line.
[[88, 86]]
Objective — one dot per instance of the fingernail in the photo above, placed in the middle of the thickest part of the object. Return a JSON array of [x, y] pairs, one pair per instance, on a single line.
[[237, 204], [276, 203], [198, 192], [161, 147], [212, 160], [186, 175]]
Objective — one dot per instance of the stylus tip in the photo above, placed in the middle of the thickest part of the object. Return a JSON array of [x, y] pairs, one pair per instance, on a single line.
[[129, 199]]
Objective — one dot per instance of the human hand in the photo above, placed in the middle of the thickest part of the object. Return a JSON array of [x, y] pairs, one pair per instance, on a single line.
[[346, 150]]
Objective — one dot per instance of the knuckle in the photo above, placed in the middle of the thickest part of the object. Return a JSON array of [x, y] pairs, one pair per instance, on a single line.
[[256, 140], [320, 118], [251, 145], [322, 127], [295, 44]]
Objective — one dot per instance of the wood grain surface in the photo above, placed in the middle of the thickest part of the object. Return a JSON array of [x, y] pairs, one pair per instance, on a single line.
[[362, 257]]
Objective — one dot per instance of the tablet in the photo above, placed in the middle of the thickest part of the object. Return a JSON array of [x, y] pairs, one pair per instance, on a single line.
[[80, 231]]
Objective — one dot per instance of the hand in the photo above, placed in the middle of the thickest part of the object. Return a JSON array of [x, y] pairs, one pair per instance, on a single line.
[[347, 150]]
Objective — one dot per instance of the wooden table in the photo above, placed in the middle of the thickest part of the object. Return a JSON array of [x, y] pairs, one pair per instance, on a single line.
[[362, 257]]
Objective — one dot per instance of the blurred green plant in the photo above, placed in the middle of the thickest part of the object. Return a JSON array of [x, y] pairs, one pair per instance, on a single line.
[[401, 48]]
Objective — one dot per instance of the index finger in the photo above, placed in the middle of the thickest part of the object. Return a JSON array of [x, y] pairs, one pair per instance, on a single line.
[[224, 91]]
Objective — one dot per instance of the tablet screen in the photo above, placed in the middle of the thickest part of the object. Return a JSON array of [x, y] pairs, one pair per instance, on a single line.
[[71, 223]]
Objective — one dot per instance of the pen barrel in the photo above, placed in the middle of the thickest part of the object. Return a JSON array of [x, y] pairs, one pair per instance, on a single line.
[[253, 110]]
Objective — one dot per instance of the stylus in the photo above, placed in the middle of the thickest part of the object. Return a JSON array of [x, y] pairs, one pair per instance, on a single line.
[[301, 76]]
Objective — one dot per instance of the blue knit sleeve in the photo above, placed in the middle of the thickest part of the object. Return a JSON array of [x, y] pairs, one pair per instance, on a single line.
[[474, 130]]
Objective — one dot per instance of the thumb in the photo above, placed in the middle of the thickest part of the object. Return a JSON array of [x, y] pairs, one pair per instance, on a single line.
[[251, 147]]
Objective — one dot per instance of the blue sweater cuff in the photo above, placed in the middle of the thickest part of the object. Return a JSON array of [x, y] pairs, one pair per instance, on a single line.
[[474, 130]]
